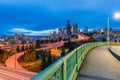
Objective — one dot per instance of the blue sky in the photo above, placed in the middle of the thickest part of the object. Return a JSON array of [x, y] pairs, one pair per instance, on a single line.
[[38, 17]]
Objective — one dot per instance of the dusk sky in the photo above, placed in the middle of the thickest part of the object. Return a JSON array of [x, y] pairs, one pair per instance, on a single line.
[[38, 17]]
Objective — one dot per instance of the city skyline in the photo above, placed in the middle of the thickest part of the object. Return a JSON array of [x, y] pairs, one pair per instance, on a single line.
[[59, 39], [33, 16]]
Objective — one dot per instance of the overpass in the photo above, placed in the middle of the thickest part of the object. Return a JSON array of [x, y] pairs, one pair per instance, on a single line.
[[99, 64], [12, 62]]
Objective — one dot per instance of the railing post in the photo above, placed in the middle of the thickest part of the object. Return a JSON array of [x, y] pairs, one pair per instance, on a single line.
[[77, 63], [81, 50], [85, 49], [64, 70], [88, 47], [76, 57]]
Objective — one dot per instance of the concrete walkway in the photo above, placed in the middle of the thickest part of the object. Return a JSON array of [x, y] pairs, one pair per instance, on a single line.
[[115, 49], [99, 64]]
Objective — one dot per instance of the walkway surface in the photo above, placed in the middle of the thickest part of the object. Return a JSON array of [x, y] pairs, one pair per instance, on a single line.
[[115, 49], [99, 64]]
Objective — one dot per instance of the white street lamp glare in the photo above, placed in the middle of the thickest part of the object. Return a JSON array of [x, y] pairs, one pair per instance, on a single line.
[[117, 15]]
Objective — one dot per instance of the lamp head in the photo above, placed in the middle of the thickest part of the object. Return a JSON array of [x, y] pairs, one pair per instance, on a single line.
[[117, 15]]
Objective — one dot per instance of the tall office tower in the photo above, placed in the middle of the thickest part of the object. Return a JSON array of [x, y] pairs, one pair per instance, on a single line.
[[60, 32], [74, 29], [68, 26], [85, 30], [51, 33], [65, 31]]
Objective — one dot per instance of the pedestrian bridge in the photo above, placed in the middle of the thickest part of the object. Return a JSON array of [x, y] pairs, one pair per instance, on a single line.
[[76, 65]]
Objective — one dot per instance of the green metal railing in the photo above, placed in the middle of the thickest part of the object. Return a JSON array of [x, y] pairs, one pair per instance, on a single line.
[[67, 67]]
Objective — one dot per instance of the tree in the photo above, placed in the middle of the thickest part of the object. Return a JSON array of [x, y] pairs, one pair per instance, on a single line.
[[49, 57], [1, 51], [92, 40], [63, 52], [4, 56], [26, 48], [37, 44], [59, 39], [44, 61], [104, 40], [32, 47], [23, 48], [54, 58], [18, 49], [32, 56], [26, 57]]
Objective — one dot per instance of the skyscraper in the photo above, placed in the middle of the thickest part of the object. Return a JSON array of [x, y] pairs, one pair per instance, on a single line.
[[60, 32], [68, 26], [74, 29], [85, 30]]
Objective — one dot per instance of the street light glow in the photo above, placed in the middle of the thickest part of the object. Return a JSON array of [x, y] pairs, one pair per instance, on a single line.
[[117, 15]]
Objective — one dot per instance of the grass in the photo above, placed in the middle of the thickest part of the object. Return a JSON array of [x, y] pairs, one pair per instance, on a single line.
[[36, 65], [32, 66], [55, 52], [2, 64]]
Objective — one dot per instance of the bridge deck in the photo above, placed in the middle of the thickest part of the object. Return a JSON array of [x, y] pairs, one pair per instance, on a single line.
[[99, 64]]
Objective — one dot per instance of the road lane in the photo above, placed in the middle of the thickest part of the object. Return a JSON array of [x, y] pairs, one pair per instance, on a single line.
[[13, 74], [12, 61], [19, 72], [6, 77], [99, 64]]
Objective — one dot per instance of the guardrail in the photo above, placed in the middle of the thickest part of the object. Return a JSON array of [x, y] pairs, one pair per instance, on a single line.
[[67, 67]]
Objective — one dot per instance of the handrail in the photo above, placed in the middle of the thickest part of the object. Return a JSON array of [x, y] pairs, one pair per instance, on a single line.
[[67, 67]]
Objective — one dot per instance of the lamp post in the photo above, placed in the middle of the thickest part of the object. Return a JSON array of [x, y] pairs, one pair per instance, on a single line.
[[108, 29], [117, 17]]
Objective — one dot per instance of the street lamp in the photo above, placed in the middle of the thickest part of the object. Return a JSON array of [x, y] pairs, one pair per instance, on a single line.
[[116, 16], [108, 28]]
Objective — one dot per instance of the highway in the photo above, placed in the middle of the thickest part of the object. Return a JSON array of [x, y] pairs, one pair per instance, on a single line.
[[100, 64], [15, 71], [14, 74], [51, 45], [12, 61]]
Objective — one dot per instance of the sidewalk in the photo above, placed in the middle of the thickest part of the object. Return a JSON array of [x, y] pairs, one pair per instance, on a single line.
[[99, 65]]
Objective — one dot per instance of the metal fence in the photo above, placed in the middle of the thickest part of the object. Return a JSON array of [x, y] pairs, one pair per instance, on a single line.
[[67, 67]]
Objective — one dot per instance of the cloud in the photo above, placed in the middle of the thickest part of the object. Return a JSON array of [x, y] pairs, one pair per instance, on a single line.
[[32, 32]]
